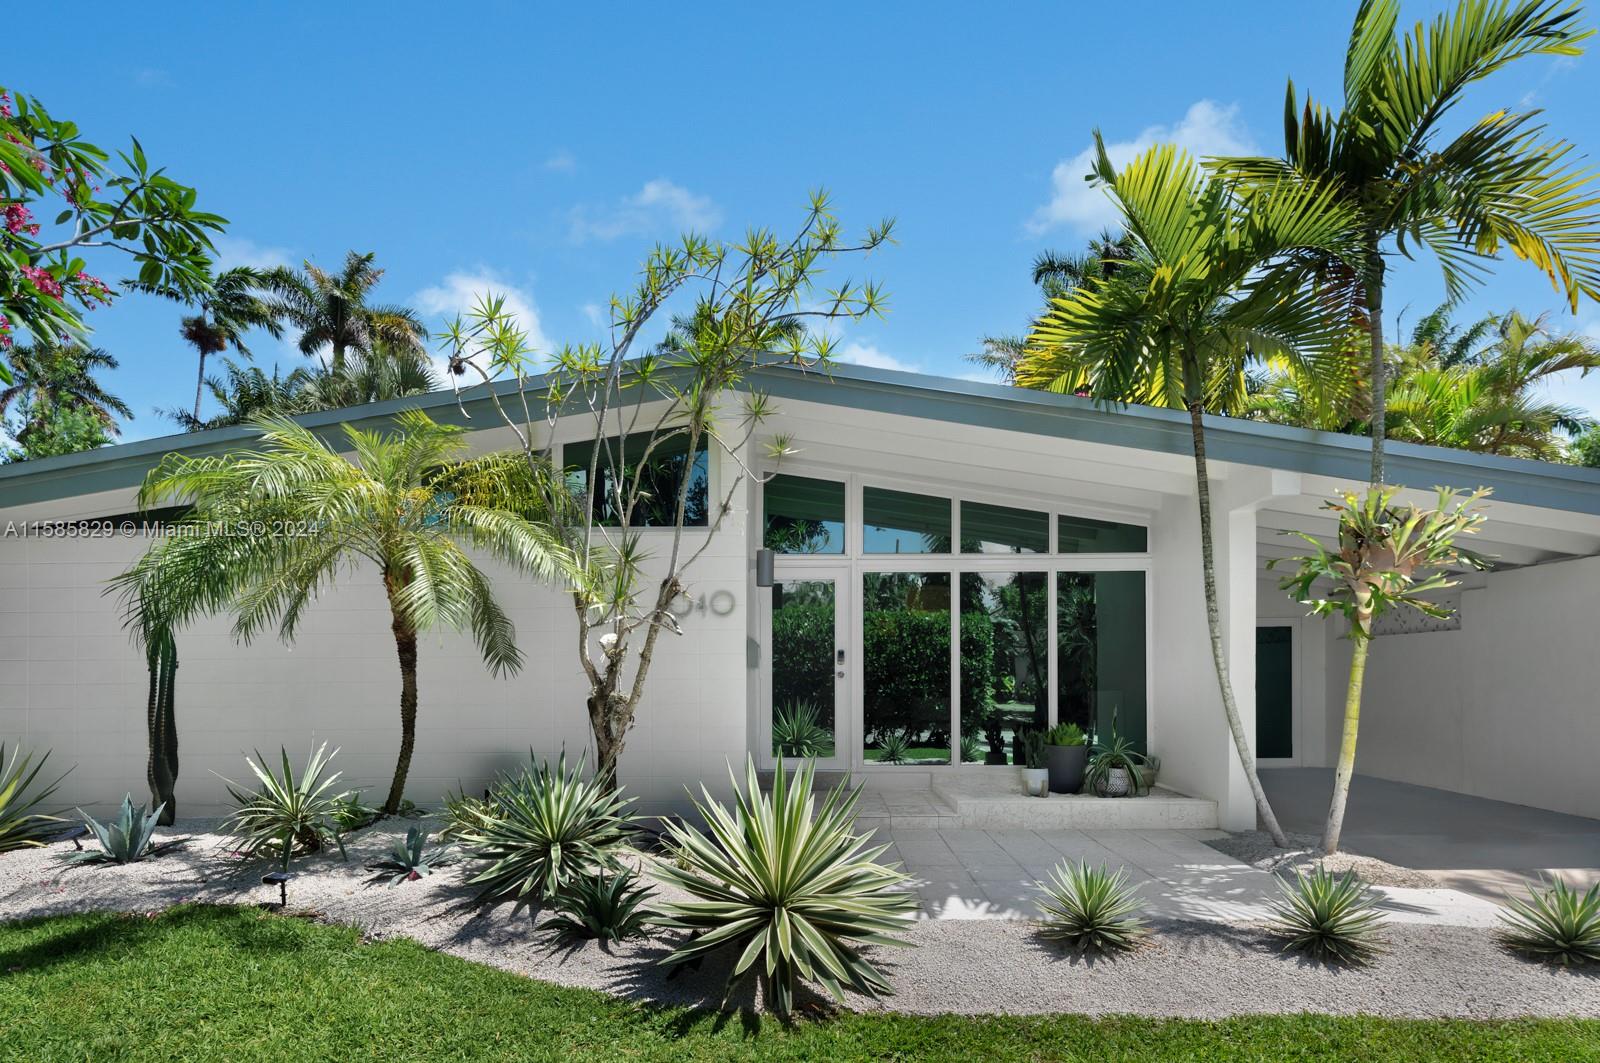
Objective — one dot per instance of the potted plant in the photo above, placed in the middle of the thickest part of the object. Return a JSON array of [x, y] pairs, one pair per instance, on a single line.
[[1066, 750], [1035, 775], [1114, 769]]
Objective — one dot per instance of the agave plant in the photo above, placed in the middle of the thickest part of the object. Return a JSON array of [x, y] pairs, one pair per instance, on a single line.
[[410, 859], [1091, 909], [1556, 923], [1328, 917], [20, 826], [789, 887], [550, 825], [797, 732], [893, 748], [287, 815], [464, 812], [126, 840], [607, 907]]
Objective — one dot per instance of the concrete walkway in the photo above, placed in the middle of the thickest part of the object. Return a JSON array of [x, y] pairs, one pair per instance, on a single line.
[[990, 874], [1468, 843]]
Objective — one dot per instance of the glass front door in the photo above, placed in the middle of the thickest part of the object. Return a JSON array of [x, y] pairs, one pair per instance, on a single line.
[[807, 678]]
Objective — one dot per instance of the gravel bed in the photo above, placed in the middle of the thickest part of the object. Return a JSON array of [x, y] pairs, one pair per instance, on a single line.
[[971, 967], [1255, 847]]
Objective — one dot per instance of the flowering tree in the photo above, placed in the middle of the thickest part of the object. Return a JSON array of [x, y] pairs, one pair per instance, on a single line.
[[1388, 555], [650, 414], [125, 207]]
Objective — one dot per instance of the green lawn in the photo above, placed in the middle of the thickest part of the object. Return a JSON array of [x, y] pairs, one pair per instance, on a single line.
[[239, 984]]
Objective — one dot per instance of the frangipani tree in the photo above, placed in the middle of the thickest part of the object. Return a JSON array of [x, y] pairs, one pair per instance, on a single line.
[[1389, 556], [744, 305], [1211, 285], [270, 530]]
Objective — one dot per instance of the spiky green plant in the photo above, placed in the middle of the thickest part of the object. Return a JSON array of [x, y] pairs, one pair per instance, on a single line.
[[410, 858], [286, 815], [20, 826], [971, 749], [608, 907], [549, 826], [463, 812], [796, 731], [1117, 754], [125, 840], [893, 748], [1091, 909], [1328, 917], [1556, 923], [789, 887], [351, 813]]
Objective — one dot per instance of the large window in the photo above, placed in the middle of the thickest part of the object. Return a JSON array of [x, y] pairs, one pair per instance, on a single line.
[[803, 516], [905, 637], [1005, 663], [1100, 653], [1085, 535], [658, 471], [898, 522], [987, 529]]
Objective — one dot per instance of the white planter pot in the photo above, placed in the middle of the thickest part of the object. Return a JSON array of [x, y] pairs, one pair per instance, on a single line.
[[1036, 782]]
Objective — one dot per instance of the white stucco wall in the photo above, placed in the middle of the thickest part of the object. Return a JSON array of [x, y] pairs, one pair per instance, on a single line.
[[1506, 708]]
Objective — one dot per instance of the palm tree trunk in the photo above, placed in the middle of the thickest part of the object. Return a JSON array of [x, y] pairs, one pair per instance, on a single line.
[[1347, 746], [199, 384], [1219, 658], [1372, 284], [405, 641], [161, 765]]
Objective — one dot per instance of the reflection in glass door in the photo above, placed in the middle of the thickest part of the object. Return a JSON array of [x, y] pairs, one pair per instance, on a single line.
[[807, 673]]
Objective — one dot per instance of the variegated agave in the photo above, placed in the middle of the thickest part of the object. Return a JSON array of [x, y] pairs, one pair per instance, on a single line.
[[788, 885], [287, 815]]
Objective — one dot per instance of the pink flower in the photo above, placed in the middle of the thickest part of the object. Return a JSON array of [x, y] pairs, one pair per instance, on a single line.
[[43, 281], [19, 219]]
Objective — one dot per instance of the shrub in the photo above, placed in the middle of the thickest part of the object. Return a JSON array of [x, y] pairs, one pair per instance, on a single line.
[[1328, 917], [20, 826], [351, 813], [1556, 923], [791, 890], [126, 840], [606, 907], [464, 812], [548, 827], [410, 859], [287, 815], [796, 731], [1091, 909]]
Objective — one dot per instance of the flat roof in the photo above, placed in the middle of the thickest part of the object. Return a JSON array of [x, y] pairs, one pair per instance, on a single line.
[[1517, 480]]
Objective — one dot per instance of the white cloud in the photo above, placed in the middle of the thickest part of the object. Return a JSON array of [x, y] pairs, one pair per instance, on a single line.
[[563, 161], [869, 355], [459, 292], [237, 251], [659, 204], [1208, 128], [595, 313]]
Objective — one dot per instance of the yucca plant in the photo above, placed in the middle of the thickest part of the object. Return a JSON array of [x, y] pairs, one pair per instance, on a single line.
[[1328, 917], [287, 815], [797, 732], [550, 825], [1091, 909], [893, 748], [1556, 923], [351, 813], [410, 859], [790, 887], [126, 840], [20, 826], [463, 813], [608, 907]]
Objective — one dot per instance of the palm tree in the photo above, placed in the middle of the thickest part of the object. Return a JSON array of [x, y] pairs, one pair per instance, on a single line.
[[231, 308], [389, 372], [404, 502], [330, 310], [1211, 286], [247, 392], [1501, 183], [60, 376]]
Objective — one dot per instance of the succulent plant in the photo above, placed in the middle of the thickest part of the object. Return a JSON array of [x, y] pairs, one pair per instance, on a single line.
[[1328, 917], [1091, 909], [125, 840], [410, 859], [1556, 923]]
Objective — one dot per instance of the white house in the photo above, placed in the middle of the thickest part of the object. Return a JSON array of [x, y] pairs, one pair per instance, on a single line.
[[1065, 534]]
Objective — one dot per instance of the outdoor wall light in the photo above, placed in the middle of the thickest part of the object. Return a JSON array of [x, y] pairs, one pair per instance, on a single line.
[[763, 568]]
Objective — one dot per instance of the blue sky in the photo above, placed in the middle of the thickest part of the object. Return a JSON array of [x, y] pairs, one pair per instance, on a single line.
[[542, 150]]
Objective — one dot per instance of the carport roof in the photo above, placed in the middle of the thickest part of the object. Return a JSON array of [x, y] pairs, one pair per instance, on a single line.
[[1516, 480]]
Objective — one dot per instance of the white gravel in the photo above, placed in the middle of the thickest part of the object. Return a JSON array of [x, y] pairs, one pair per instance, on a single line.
[[1256, 847], [989, 966]]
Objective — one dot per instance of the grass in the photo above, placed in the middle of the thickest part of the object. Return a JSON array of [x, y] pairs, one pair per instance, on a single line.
[[240, 984]]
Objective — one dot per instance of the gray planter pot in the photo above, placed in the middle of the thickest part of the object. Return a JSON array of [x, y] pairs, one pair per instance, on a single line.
[[1066, 765]]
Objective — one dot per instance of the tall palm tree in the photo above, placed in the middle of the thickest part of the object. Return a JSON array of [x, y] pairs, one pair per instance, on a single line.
[[1211, 286], [389, 372], [1501, 183], [404, 502], [231, 308], [60, 376], [331, 310], [245, 393]]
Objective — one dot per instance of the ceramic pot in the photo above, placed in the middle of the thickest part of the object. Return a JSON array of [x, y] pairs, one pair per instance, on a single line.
[[1066, 765], [1036, 782]]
